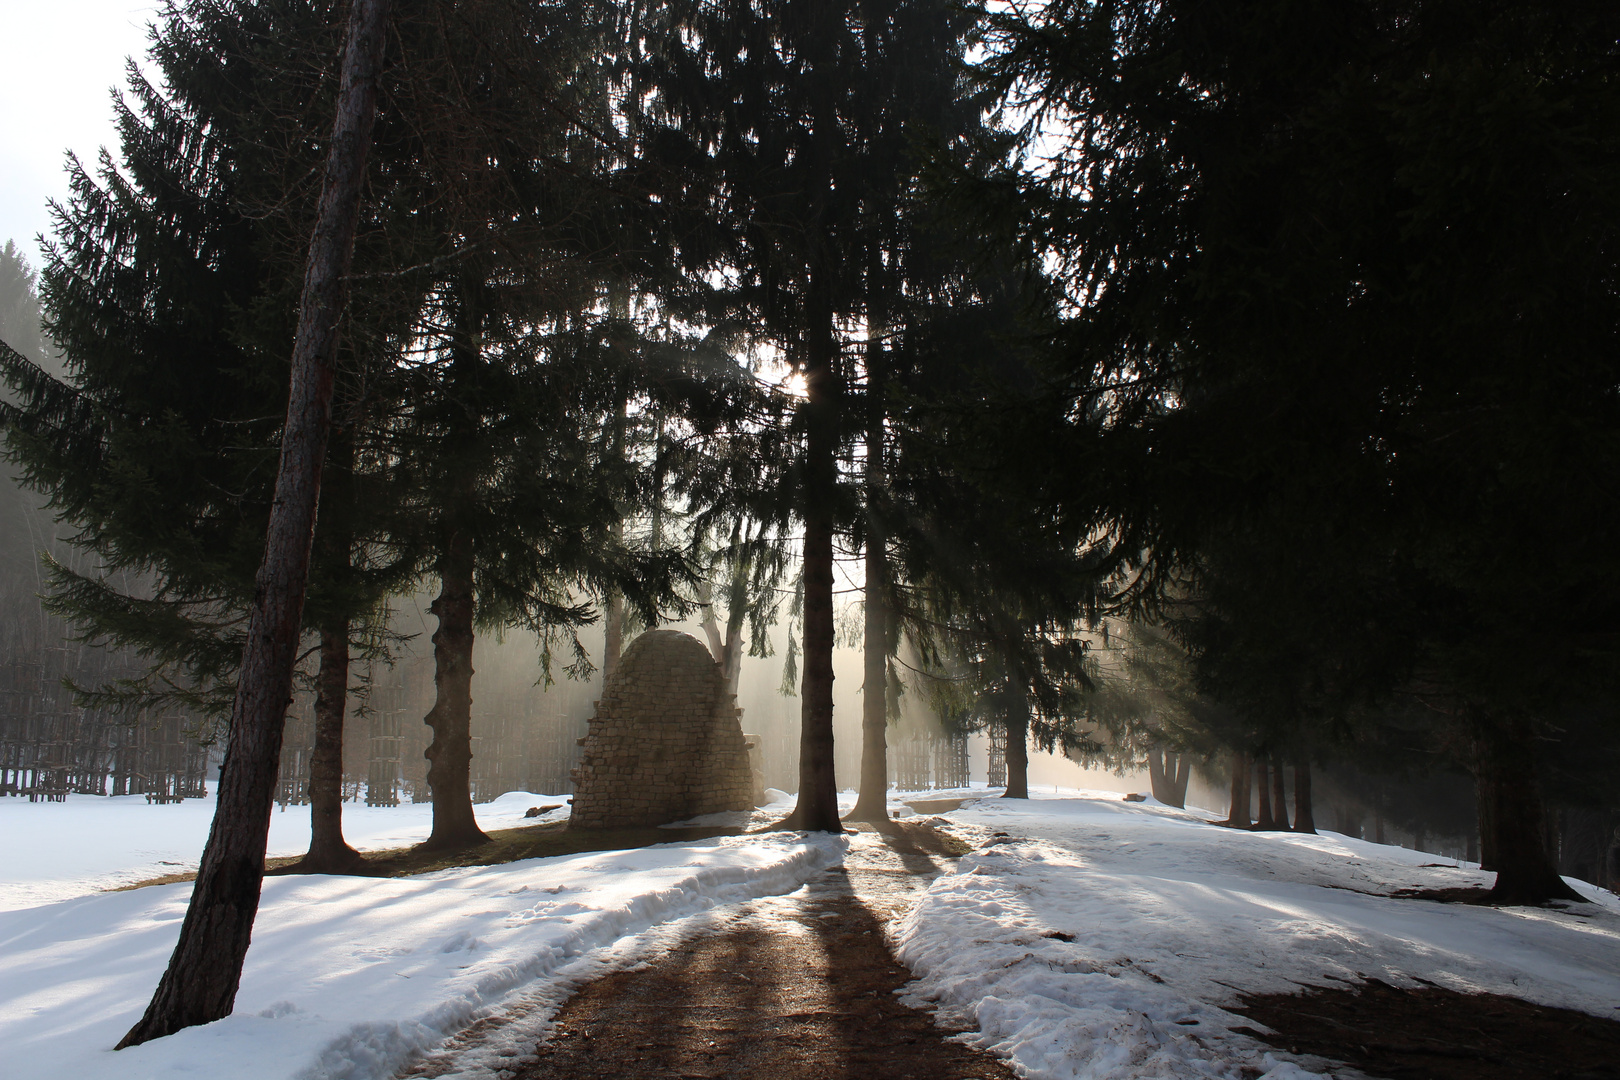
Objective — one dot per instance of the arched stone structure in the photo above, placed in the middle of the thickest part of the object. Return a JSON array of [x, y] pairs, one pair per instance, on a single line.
[[665, 743]]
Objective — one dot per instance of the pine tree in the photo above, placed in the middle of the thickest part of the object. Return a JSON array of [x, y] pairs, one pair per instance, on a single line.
[[774, 174], [994, 607], [200, 983], [805, 184], [160, 448], [528, 359], [1343, 281]]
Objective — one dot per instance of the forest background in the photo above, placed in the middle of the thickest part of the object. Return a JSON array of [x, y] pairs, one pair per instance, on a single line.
[[1192, 390]]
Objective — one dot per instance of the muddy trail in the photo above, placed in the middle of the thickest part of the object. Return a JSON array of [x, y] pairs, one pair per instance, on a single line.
[[791, 986], [797, 986], [1431, 1033]]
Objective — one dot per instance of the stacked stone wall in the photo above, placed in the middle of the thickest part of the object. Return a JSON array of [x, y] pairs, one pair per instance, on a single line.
[[666, 742]]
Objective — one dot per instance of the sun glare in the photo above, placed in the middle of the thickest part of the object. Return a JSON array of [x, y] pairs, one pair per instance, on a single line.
[[793, 385]]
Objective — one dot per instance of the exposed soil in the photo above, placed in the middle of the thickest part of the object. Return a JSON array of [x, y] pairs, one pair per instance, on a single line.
[[1478, 895], [505, 845], [795, 988], [1437, 1034]]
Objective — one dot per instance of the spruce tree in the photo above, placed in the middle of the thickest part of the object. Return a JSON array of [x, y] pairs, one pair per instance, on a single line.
[[200, 983], [803, 189], [527, 359], [1342, 283], [170, 286]]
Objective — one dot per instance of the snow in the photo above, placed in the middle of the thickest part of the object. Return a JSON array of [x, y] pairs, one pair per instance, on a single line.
[[1086, 938], [346, 977], [56, 851], [1101, 939]]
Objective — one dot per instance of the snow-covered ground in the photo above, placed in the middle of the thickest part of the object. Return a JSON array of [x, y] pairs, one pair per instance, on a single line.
[[1085, 937], [56, 851], [1093, 938], [347, 977]]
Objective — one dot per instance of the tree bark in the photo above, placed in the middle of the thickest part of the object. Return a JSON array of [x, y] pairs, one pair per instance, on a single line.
[[612, 636], [1262, 775], [1485, 812], [1510, 807], [450, 753], [1237, 815], [726, 649], [817, 807], [328, 852], [1168, 774], [872, 803], [1304, 813], [732, 651], [1279, 796], [613, 609], [1157, 779], [1018, 744], [205, 969]]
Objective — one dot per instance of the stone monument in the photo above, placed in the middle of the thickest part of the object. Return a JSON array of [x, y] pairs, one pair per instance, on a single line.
[[665, 743]]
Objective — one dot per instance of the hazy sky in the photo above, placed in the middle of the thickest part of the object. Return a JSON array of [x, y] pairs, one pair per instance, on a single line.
[[58, 60]]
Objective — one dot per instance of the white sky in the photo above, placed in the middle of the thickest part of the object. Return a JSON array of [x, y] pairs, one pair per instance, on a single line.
[[58, 61]]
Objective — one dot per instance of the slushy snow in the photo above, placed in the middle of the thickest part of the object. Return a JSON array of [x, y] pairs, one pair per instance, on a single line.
[[1086, 938], [1101, 939], [56, 851], [352, 977]]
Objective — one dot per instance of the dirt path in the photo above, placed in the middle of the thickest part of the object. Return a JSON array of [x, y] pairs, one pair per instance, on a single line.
[[1437, 1034], [789, 987]]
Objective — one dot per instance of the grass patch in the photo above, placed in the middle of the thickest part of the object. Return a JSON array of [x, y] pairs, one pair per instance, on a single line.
[[505, 845]]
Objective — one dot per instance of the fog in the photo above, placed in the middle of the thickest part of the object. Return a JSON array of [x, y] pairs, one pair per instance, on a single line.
[[61, 60], [506, 692]]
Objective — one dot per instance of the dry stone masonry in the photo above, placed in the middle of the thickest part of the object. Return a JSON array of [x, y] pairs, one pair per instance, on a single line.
[[665, 743]]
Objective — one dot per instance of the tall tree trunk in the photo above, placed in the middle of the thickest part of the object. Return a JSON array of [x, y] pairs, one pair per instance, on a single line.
[[1262, 776], [1180, 773], [205, 969], [817, 808], [731, 662], [1485, 812], [872, 804], [612, 635], [613, 613], [710, 624], [1279, 795], [328, 852], [1157, 780], [725, 648], [1018, 744], [1168, 773], [450, 753], [655, 534], [1304, 814], [1237, 815], [1510, 807]]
